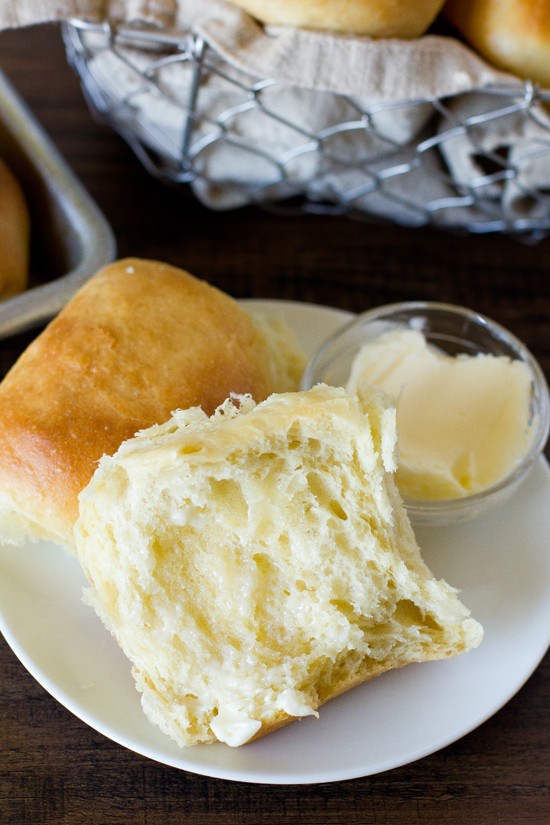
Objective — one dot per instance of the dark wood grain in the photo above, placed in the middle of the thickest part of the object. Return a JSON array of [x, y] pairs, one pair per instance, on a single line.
[[54, 770]]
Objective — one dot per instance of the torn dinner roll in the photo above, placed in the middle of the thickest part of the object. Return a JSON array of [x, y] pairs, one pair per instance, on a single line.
[[254, 564]]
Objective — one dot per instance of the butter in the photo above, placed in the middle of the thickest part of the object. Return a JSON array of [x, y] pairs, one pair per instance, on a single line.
[[294, 703], [234, 727], [463, 421]]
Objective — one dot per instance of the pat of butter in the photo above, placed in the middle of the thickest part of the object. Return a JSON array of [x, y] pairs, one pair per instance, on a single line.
[[234, 727], [463, 422], [294, 703]]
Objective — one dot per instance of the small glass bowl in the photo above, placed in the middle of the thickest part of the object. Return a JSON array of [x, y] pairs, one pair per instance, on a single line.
[[454, 330]]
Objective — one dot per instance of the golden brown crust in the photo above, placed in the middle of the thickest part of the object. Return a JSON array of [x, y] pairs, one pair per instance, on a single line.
[[139, 340], [14, 235], [374, 18], [369, 670], [514, 35]]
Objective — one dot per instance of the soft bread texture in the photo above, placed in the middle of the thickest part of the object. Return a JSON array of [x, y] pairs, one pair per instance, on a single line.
[[254, 564], [512, 34], [138, 341], [374, 18], [14, 235]]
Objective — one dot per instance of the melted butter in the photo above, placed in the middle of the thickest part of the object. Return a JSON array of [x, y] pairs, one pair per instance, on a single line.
[[462, 422]]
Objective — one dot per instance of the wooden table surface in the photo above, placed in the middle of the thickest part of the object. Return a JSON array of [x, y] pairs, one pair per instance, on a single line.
[[55, 769]]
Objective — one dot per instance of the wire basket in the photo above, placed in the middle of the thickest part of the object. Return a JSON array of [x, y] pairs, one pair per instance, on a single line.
[[477, 162]]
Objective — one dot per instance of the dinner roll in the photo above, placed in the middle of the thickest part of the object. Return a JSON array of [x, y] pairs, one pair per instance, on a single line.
[[14, 234], [375, 18], [139, 340], [512, 34], [256, 563]]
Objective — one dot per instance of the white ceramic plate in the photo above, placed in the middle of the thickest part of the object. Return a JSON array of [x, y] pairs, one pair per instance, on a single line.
[[500, 563]]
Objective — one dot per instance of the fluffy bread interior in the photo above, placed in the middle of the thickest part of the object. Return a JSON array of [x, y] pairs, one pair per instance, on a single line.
[[256, 563]]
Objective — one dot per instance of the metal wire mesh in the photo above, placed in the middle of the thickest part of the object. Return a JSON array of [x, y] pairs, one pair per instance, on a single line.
[[478, 162]]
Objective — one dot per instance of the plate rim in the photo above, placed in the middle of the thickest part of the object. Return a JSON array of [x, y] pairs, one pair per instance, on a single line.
[[238, 773]]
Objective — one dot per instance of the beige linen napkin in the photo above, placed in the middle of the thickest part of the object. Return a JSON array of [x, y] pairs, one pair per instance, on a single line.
[[428, 67], [16, 13], [499, 136], [338, 116]]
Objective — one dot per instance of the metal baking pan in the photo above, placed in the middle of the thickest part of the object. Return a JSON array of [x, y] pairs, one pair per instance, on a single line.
[[70, 237]]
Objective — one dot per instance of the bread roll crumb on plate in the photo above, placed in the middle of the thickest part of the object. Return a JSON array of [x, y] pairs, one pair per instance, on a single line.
[[139, 340], [514, 35], [254, 564], [373, 18], [14, 234]]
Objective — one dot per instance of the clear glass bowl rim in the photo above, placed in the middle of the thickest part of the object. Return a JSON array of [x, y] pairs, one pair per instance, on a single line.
[[453, 508]]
